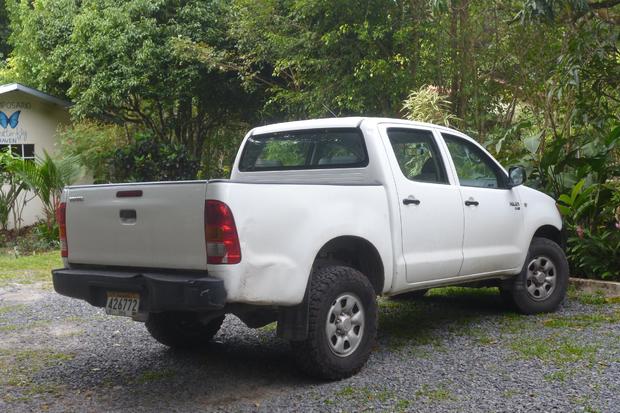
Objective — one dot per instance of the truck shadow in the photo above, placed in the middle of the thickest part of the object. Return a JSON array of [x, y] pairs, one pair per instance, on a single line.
[[428, 320], [246, 366], [240, 366]]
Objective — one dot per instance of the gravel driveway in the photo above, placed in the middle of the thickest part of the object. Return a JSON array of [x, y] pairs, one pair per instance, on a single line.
[[457, 350]]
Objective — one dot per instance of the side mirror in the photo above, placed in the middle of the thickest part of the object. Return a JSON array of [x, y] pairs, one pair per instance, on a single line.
[[516, 176]]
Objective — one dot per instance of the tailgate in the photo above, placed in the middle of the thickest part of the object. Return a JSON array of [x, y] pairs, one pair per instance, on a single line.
[[155, 225]]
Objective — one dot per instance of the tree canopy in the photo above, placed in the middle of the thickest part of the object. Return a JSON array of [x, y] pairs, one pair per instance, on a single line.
[[176, 82]]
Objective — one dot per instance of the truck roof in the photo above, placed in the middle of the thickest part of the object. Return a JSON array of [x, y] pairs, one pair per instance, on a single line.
[[348, 122]]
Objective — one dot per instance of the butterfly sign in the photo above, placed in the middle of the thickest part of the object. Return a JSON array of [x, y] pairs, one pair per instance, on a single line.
[[9, 120]]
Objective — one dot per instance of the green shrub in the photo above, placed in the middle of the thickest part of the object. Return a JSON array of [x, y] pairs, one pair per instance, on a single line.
[[596, 254], [46, 234], [47, 177], [30, 240], [148, 160], [427, 104], [30, 243], [94, 144]]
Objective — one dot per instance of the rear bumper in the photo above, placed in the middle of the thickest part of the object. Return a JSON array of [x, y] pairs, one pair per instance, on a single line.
[[158, 291]]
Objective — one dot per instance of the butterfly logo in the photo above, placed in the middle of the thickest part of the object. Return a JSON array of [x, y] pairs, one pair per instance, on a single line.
[[9, 120]]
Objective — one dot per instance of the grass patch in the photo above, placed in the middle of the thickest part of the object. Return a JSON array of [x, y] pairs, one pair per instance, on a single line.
[[270, 328], [436, 394], [8, 327], [347, 391], [484, 340], [366, 393], [154, 375], [582, 320], [453, 292], [597, 298], [7, 309], [25, 326], [28, 269], [41, 261], [560, 375], [514, 323], [555, 349], [591, 298], [509, 394], [18, 368], [360, 395], [402, 405]]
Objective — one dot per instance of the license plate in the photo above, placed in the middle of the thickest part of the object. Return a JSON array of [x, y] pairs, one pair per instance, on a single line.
[[123, 304]]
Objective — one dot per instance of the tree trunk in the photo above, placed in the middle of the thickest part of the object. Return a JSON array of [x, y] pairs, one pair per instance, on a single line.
[[454, 55]]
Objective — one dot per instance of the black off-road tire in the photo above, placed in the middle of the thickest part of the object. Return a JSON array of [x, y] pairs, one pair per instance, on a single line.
[[515, 292], [182, 329], [410, 296], [314, 355]]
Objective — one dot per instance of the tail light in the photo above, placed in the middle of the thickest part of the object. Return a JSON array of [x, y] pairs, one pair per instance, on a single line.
[[221, 234], [61, 218]]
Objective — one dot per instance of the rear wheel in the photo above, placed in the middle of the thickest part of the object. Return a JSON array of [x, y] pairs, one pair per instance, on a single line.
[[541, 286], [342, 324], [182, 329]]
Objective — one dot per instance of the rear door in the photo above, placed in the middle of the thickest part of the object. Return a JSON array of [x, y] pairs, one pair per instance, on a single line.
[[158, 225], [430, 205], [493, 215]]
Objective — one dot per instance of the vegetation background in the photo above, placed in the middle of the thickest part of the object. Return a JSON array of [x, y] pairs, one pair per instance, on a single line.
[[164, 89]]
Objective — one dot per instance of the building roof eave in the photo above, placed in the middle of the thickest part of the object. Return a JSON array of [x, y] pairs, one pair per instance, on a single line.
[[11, 87]]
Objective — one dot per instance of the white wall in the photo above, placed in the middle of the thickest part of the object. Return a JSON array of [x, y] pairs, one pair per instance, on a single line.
[[38, 123]]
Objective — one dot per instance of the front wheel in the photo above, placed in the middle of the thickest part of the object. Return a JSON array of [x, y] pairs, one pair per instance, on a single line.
[[342, 324], [541, 286]]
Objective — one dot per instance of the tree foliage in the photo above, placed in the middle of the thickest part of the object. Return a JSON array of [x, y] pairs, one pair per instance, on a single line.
[[133, 62], [5, 47], [536, 81]]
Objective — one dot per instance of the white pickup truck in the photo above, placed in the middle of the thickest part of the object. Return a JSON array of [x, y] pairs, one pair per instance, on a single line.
[[318, 218]]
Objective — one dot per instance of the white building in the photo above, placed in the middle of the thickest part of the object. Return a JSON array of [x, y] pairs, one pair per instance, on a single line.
[[29, 121]]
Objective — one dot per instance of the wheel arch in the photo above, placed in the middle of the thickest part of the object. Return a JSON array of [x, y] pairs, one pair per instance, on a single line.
[[552, 233], [356, 252]]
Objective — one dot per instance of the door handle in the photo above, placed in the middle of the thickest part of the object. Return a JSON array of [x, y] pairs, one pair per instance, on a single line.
[[408, 201], [471, 202], [128, 216]]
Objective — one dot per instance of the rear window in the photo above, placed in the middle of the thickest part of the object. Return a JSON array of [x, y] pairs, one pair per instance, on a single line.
[[307, 149]]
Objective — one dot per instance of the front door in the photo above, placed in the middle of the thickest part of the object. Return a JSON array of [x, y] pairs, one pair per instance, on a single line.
[[493, 215], [430, 206]]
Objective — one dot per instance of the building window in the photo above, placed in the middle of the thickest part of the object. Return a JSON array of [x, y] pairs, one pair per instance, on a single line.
[[21, 150]]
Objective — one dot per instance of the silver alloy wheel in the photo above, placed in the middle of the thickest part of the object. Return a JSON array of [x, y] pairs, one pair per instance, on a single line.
[[344, 326], [541, 278]]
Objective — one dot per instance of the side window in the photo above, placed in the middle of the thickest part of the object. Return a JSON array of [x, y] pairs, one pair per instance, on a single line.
[[417, 155], [473, 166]]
